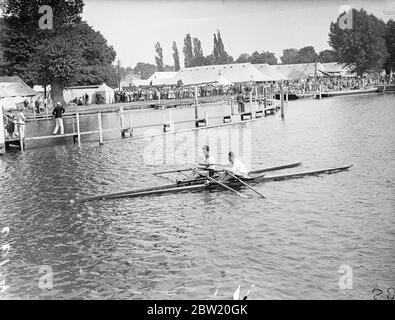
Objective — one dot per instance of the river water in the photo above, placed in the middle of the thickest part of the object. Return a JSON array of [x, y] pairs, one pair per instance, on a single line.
[[184, 246]]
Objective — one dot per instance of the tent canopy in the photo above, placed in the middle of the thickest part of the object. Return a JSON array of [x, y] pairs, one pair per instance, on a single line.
[[270, 72], [299, 70], [162, 79], [234, 73], [15, 87]]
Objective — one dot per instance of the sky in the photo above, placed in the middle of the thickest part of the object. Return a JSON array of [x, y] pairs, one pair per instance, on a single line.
[[133, 27]]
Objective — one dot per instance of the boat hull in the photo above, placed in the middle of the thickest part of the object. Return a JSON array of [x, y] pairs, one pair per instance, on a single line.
[[202, 184]]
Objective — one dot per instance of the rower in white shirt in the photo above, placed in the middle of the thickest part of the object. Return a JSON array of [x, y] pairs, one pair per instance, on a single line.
[[237, 168], [208, 160]]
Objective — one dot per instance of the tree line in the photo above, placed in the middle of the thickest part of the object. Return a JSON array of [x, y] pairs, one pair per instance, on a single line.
[[69, 53]]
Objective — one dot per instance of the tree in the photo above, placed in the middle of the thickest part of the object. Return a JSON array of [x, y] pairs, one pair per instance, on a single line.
[[243, 58], [361, 47], [176, 57], [326, 56], [145, 70], [198, 56], [159, 57], [21, 34], [87, 62], [69, 54], [187, 50], [390, 43], [306, 55], [219, 55], [289, 56]]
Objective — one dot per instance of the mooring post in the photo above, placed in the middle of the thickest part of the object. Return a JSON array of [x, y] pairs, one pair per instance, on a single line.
[[251, 100], [130, 123], [122, 117], [232, 112], [21, 137], [170, 121], [282, 102], [286, 94], [320, 91], [271, 94], [264, 97], [2, 136], [99, 125], [196, 106], [78, 129]]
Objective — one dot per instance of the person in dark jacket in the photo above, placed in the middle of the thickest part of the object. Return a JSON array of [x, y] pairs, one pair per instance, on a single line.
[[58, 113], [240, 102]]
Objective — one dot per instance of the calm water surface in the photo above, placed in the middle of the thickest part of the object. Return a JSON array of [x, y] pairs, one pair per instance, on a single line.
[[183, 246]]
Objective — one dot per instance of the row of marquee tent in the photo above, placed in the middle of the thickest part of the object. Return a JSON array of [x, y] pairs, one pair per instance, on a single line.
[[240, 73], [14, 91]]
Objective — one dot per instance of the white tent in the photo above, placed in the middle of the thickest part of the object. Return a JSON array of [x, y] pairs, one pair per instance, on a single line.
[[72, 93], [162, 79], [270, 72], [234, 73]]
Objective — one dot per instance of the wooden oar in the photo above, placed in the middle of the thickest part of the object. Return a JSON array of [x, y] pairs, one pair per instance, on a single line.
[[226, 187], [172, 171], [248, 186]]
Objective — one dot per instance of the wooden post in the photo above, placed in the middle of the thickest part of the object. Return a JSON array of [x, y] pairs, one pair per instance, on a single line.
[[286, 95], [21, 137], [264, 97], [206, 117], [122, 118], [78, 129], [271, 94], [158, 95], [2, 135], [320, 91], [130, 123], [164, 115], [282, 102], [251, 100], [170, 122], [196, 104], [99, 126], [232, 111]]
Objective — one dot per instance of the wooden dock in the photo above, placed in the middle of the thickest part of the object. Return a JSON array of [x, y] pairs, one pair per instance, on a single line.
[[126, 129]]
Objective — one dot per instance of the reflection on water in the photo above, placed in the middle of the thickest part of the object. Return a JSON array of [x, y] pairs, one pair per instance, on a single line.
[[183, 246]]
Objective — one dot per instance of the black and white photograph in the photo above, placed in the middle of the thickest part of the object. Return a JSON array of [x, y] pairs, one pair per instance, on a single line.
[[208, 151]]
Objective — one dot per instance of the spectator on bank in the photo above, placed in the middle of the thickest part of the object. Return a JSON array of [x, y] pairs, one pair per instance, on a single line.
[[9, 124], [58, 112], [86, 98], [20, 123], [240, 102], [37, 105]]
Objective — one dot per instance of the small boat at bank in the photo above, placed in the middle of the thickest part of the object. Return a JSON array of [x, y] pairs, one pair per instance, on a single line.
[[204, 183]]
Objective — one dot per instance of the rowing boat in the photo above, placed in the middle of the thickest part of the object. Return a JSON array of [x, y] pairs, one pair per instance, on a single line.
[[203, 183]]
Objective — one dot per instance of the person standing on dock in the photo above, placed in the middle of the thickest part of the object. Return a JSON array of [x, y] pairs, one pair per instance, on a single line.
[[240, 102], [20, 122], [58, 113]]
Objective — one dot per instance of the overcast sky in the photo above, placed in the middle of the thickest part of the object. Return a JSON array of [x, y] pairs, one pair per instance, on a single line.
[[134, 26]]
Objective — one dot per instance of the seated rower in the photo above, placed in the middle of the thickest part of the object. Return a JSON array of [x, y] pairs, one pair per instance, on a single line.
[[237, 168], [207, 162]]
